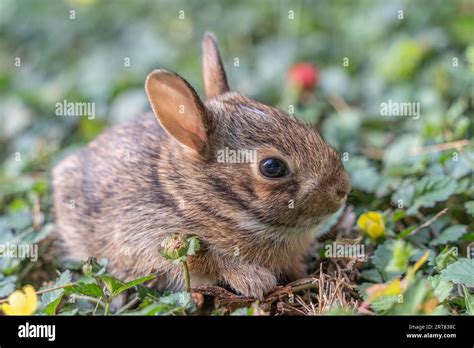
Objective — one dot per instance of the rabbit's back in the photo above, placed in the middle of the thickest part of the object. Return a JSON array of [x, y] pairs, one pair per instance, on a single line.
[[108, 195]]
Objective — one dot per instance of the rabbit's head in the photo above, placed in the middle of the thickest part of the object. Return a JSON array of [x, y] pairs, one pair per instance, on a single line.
[[262, 163]]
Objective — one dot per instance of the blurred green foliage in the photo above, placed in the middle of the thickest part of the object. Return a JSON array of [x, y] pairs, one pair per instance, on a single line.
[[418, 51]]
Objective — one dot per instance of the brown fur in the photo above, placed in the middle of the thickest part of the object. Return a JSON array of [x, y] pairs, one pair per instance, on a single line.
[[141, 181]]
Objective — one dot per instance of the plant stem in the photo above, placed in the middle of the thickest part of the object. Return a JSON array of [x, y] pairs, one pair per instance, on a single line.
[[427, 223], [128, 305], [107, 307], [97, 305], [186, 275], [87, 298], [45, 290]]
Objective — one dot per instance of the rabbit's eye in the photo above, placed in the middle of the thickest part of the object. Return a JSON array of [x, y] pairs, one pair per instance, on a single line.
[[273, 168]]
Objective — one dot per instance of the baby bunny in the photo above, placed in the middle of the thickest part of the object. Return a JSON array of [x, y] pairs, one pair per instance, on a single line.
[[144, 180]]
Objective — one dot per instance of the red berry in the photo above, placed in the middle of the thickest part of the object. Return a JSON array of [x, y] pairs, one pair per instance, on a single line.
[[304, 76]]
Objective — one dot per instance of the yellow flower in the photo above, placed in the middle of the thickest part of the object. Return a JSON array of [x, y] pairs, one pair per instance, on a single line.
[[21, 302], [372, 223], [412, 270], [393, 288]]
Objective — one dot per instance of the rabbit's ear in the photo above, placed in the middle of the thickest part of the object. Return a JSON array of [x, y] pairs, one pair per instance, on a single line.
[[178, 108], [215, 80]]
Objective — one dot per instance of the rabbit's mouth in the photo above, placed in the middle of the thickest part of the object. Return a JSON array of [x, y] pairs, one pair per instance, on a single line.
[[302, 225], [311, 227]]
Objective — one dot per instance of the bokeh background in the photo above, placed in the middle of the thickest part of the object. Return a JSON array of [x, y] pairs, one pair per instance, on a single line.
[[427, 56], [83, 60]]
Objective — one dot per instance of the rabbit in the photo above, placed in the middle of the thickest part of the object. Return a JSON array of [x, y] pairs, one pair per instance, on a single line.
[[159, 175]]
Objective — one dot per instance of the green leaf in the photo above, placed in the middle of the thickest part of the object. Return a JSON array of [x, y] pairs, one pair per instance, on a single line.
[[245, 311], [194, 245], [178, 299], [18, 221], [398, 215], [158, 309], [384, 303], [7, 284], [172, 304], [430, 190], [93, 267], [469, 301], [446, 257], [50, 308], [419, 253], [460, 272], [382, 257], [414, 297], [337, 309], [145, 292], [451, 234], [70, 311], [112, 284], [364, 175], [442, 288], [406, 232], [51, 299], [401, 59], [131, 284], [87, 289], [40, 235], [372, 275], [469, 207], [404, 194], [362, 290], [399, 151], [401, 254]]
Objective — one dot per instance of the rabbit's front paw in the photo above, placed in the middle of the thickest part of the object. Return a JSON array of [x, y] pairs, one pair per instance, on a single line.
[[251, 281], [296, 271]]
